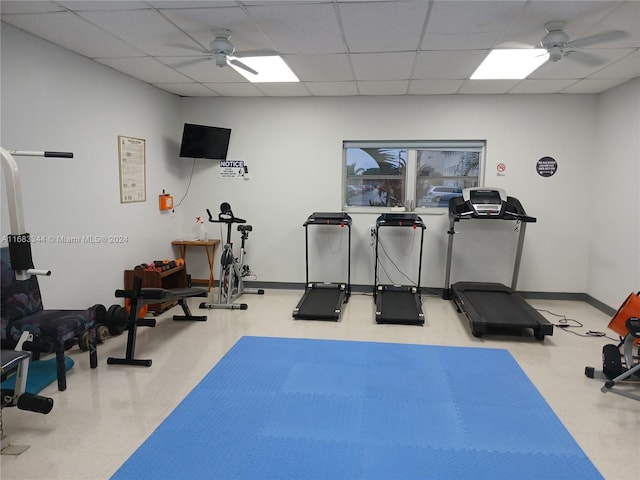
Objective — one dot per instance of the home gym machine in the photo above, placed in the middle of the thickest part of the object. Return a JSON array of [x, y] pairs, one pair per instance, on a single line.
[[492, 305], [398, 304], [22, 261], [324, 300], [232, 269]]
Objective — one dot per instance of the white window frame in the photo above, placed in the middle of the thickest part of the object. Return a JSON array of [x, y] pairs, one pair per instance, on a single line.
[[411, 178]]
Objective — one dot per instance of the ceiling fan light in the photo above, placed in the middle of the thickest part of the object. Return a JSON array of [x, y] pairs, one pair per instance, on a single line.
[[510, 64], [270, 68]]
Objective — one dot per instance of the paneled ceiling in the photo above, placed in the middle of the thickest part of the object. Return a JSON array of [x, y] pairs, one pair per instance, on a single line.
[[339, 47]]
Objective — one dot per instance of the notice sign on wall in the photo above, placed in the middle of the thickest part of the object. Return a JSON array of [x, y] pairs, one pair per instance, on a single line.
[[546, 166], [232, 169]]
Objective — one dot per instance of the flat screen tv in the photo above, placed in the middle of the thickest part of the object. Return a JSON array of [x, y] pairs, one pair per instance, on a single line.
[[200, 141]]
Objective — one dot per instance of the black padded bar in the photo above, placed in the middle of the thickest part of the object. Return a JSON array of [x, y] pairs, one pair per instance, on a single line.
[[20, 251], [59, 154], [11, 360]]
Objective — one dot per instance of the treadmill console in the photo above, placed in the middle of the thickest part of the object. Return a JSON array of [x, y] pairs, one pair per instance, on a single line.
[[400, 220], [328, 218], [485, 201]]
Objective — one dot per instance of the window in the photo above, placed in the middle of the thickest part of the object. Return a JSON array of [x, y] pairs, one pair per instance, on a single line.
[[408, 174]]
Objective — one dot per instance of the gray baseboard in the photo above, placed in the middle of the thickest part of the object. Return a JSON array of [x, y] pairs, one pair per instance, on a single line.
[[437, 291]]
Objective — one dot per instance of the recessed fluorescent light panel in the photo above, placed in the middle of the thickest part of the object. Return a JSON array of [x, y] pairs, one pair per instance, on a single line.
[[509, 64], [270, 69]]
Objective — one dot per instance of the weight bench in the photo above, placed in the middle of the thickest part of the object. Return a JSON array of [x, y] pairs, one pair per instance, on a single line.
[[141, 296]]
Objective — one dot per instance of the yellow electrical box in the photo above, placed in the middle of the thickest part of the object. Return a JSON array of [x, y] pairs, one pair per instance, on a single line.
[[166, 201]]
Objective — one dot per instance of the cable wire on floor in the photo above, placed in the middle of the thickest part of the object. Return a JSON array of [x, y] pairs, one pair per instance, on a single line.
[[564, 324]]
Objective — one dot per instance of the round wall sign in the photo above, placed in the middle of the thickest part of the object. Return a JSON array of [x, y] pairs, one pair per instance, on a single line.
[[546, 166]]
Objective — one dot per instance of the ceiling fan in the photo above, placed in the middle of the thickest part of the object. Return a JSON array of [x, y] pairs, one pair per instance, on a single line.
[[559, 45], [223, 52]]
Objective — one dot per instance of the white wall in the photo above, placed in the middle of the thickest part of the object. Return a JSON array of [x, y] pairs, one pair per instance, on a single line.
[[53, 99], [293, 147], [614, 207]]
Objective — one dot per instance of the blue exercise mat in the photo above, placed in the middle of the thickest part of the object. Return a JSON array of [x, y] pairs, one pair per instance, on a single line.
[[41, 374], [278, 408]]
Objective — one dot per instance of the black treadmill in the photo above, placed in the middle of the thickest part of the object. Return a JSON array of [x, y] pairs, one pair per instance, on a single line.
[[324, 300], [492, 306], [398, 304]]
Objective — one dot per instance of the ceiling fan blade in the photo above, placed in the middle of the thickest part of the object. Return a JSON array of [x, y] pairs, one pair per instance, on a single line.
[[604, 37], [191, 48], [191, 61], [586, 58], [239, 64], [256, 53]]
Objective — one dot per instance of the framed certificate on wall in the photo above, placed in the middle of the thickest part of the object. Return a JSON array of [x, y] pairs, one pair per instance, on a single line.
[[132, 162]]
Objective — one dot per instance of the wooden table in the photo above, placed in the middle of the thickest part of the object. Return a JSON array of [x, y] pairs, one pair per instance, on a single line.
[[209, 246]]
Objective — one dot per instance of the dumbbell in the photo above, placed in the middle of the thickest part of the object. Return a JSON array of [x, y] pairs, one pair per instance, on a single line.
[[102, 331], [116, 320]]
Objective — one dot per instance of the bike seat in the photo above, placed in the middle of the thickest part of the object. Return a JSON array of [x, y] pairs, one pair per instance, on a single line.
[[245, 228]]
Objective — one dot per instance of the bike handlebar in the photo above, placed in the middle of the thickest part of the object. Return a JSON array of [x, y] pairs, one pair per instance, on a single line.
[[225, 216]]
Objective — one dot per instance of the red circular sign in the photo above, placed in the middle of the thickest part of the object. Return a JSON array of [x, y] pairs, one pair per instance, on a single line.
[[501, 167]]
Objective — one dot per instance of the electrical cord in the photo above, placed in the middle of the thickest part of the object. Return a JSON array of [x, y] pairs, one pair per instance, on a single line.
[[328, 236], [411, 282], [188, 186], [565, 325]]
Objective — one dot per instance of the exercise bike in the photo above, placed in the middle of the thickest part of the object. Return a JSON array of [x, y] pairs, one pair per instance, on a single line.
[[232, 269]]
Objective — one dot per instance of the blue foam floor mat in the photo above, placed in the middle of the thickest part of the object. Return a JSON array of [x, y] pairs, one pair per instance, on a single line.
[[278, 408], [41, 374]]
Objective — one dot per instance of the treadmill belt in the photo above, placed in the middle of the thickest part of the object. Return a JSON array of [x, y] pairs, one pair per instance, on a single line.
[[321, 304], [501, 308], [399, 307], [495, 305]]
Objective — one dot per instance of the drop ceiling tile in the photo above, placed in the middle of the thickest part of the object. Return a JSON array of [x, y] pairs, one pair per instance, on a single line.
[[382, 66], [147, 69], [299, 28], [434, 87], [320, 67], [79, 5], [589, 86], [71, 32], [541, 86], [487, 86], [146, 30], [202, 22], [235, 89], [383, 27], [186, 89], [625, 18], [448, 64], [394, 87], [468, 25], [626, 67], [283, 89], [332, 89], [11, 7], [190, 4]]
